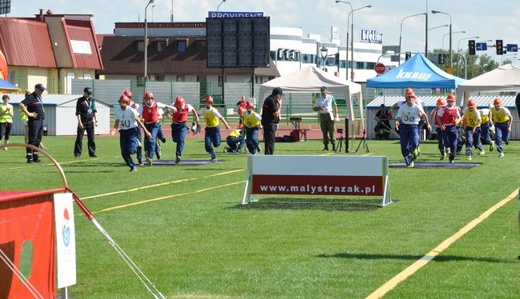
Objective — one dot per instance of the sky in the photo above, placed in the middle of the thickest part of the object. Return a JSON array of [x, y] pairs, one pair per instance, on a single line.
[[489, 20]]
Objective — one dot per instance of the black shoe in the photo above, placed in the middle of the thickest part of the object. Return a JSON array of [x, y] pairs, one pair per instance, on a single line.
[[29, 161], [93, 156], [163, 140], [77, 156], [37, 160], [326, 148]]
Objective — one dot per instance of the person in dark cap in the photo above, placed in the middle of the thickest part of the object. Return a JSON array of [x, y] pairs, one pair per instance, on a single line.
[[326, 106], [32, 106], [86, 114], [270, 117]]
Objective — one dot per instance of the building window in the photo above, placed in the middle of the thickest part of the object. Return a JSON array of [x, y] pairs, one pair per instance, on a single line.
[[140, 45], [220, 80], [181, 45], [202, 79], [181, 78], [161, 45]]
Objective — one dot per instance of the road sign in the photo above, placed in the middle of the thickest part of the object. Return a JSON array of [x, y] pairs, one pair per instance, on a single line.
[[380, 68], [512, 48], [481, 46]]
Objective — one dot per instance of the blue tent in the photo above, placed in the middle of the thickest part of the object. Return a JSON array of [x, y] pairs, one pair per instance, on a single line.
[[7, 85], [416, 72]]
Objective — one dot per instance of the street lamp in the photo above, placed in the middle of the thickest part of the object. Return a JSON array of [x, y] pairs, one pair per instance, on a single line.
[[348, 26], [401, 31], [352, 39], [324, 52], [218, 7], [451, 33], [146, 42], [440, 26]]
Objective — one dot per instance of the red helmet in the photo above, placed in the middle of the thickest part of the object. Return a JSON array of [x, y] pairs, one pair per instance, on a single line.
[[441, 102], [409, 92], [208, 100], [128, 93], [451, 98], [179, 101], [124, 98], [249, 105], [497, 102], [148, 95], [472, 103]]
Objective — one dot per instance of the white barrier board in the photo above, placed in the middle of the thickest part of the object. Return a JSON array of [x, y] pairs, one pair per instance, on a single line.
[[318, 175]]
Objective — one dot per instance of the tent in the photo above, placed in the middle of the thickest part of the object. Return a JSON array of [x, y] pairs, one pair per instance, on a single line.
[[503, 78], [7, 87], [309, 80], [416, 72]]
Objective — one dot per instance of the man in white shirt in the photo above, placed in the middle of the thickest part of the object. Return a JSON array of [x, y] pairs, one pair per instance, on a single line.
[[326, 106]]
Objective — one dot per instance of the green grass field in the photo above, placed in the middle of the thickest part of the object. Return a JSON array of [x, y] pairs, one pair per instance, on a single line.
[[185, 228]]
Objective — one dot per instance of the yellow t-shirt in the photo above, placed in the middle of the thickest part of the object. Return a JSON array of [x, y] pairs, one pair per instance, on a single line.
[[471, 117]]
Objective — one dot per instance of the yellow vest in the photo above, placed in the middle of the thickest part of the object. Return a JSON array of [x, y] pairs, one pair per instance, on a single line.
[[250, 121], [6, 117], [210, 119], [235, 133], [471, 118], [499, 116], [484, 115]]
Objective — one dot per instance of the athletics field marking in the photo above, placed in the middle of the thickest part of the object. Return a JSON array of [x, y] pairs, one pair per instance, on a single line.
[[417, 265]]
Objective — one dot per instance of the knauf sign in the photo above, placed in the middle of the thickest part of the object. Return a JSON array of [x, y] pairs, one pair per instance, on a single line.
[[234, 14], [413, 75]]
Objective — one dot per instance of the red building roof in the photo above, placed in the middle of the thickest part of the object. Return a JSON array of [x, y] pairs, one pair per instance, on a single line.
[[26, 43]]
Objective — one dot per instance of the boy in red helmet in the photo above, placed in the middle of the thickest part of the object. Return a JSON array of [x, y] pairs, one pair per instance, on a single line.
[[252, 124], [471, 119], [149, 111], [448, 118], [503, 121], [181, 109], [127, 122], [440, 141], [212, 117]]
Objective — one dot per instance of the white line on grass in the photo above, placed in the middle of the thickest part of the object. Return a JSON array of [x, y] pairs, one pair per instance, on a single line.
[[158, 185], [410, 270], [166, 197]]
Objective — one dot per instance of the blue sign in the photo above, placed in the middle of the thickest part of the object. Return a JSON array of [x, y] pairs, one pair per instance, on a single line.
[[512, 48], [234, 14], [481, 46]]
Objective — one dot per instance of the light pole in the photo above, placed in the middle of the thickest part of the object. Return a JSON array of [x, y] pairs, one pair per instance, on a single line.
[[218, 7], [440, 26], [451, 33], [348, 26], [146, 43], [401, 32], [352, 39]]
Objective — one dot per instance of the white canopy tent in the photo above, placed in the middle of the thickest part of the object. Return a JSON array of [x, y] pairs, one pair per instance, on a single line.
[[503, 78], [309, 80]]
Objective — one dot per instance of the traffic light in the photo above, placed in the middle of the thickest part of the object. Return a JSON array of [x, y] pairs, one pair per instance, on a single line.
[[499, 44], [407, 56], [336, 57], [471, 47], [440, 59]]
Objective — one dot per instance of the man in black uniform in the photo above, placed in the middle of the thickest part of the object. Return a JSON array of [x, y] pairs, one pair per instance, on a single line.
[[32, 106], [86, 114], [270, 118]]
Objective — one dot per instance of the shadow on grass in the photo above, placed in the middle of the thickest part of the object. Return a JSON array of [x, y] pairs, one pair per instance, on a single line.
[[441, 258], [324, 204]]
